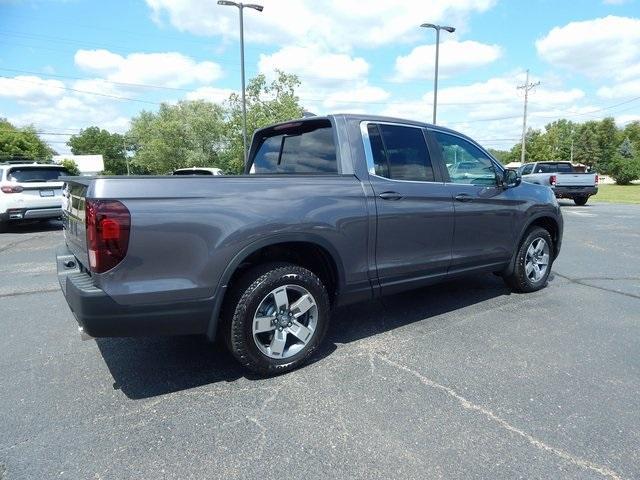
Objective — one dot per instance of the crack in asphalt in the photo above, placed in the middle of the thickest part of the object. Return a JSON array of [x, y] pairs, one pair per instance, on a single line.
[[29, 292], [13, 244], [581, 281], [468, 405]]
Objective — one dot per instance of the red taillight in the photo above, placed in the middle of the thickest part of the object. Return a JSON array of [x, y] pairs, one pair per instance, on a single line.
[[597, 179], [108, 223], [552, 180], [11, 189]]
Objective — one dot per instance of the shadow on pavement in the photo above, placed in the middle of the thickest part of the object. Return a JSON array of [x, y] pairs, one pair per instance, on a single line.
[[33, 226], [147, 367]]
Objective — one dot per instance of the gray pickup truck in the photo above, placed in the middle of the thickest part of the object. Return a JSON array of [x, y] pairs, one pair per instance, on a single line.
[[562, 179], [331, 210]]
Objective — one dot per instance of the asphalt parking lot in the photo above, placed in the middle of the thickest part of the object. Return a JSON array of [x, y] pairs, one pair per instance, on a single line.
[[460, 380]]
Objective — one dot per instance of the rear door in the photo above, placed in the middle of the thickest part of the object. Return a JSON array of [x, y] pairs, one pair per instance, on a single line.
[[484, 211], [414, 208]]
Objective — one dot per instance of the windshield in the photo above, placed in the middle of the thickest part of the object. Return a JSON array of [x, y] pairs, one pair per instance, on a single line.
[[35, 174], [192, 172]]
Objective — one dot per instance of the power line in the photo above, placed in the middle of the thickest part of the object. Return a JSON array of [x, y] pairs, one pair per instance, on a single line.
[[117, 97]]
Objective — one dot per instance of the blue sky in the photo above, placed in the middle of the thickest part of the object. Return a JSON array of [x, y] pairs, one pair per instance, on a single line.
[[66, 65]]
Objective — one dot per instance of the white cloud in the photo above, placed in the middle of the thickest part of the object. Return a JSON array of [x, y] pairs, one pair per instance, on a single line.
[[356, 98], [455, 57], [170, 69], [339, 25], [314, 65], [615, 2], [210, 94], [603, 47], [624, 89], [30, 89]]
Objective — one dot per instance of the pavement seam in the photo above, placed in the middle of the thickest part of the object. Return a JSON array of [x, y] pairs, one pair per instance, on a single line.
[[579, 281], [29, 292], [468, 405]]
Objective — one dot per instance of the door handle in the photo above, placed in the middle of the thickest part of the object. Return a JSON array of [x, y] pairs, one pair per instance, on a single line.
[[463, 197], [390, 196]]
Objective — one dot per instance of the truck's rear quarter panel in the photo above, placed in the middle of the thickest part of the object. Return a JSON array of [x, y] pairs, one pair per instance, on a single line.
[[186, 231]]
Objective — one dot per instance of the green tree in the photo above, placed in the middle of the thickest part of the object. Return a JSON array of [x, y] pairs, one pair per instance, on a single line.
[[187, 134], [267, 103], [97, 141], [557, 139], [625, 166], [632, 132], [503, 156], [608, 140], [22, 143], [70, 166], [537, 149], [586, 146]]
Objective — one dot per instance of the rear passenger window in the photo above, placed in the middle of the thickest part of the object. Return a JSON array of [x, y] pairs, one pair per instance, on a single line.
[[400, 153], [303, 147]]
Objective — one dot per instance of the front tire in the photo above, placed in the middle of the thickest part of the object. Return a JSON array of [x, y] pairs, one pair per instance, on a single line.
[[581, 201], [276, 317], [533, 262]]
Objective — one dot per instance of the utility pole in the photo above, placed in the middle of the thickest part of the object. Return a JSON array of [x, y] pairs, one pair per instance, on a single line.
[[124, 151], [526, 87]]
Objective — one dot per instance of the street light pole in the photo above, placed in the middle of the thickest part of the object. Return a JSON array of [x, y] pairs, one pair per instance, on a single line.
[[241, 7], [437, 28]]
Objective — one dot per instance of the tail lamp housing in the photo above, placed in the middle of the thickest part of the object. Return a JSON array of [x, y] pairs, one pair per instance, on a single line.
[[108, 224], [11, 189], [552, 180], [597, 179]]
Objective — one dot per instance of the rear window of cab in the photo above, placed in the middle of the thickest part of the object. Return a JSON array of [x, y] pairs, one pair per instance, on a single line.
[[305, 147]]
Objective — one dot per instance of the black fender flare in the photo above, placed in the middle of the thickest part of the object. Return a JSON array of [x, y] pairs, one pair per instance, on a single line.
[[512, 263], [253, 247]]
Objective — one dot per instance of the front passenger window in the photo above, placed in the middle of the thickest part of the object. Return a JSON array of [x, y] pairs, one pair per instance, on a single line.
[[465, 162]]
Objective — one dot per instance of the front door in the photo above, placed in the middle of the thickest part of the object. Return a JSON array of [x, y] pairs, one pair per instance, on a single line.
[[414, 207], [484, 227]]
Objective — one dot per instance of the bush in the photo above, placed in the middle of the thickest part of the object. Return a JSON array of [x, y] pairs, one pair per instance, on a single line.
[[625, 166], [625, 170], [71, 167]]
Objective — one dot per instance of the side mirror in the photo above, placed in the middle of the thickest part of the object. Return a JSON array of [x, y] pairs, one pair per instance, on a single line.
[[511, 178]]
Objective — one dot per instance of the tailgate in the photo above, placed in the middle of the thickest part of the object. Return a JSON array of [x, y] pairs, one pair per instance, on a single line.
[[73, 215], [575, 179]]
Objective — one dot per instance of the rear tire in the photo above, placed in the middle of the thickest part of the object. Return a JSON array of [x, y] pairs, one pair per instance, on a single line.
[[533, 262], [580, 200], [276, 316]]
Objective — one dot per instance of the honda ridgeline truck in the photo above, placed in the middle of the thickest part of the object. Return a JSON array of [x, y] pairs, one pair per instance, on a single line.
[[330, 210]]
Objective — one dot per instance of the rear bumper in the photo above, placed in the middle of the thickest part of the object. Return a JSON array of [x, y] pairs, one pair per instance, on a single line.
[[100, 316], [30, 213], [572, 192]]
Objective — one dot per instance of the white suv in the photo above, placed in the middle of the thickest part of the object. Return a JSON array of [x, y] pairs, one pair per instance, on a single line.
[[30, 191]]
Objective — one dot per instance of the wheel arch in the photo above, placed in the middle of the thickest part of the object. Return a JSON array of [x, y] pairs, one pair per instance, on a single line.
[[543, 220], [307, 250]]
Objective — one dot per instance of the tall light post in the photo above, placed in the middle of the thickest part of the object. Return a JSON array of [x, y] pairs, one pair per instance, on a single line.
[[241, 7], [437, 28]]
